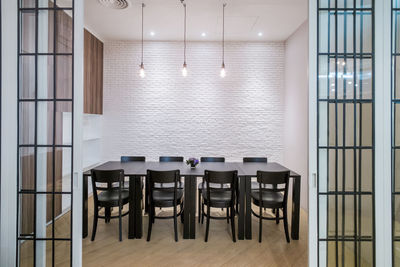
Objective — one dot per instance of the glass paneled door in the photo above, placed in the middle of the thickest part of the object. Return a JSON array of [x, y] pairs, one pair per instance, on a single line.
[[45, 119], [345, 133]]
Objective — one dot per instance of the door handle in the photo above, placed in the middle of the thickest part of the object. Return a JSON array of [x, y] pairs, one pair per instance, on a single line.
[[314, 175]]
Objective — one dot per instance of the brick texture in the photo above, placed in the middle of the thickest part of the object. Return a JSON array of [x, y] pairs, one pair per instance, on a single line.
[[198, 115]]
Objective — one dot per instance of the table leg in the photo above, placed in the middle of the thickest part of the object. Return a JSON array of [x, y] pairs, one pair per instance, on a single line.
[[193, 207], [146, 197], [247, 223], [186, 221], [133, 210], [138, 207], [189, 227], [242, 193], [296, 208], [85, 216]]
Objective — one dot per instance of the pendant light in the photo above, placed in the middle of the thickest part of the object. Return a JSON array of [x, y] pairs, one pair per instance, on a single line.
[[223, 72], [142, 72], [184, 69]]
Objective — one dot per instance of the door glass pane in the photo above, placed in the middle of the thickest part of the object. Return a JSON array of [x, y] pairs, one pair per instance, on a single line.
[[45, 132], [345, 128]]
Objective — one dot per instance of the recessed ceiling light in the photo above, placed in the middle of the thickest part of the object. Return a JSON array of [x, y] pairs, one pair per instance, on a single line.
[[203, 34], [152, 33], [260, 34]]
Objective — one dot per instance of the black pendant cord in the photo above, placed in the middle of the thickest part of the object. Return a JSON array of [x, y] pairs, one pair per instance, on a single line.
[[184, 35], [223, 35], [143, 5]]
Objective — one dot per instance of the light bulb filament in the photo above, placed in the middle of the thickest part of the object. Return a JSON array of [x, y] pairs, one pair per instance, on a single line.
[[142, 73], [184, 70], [223, 72]]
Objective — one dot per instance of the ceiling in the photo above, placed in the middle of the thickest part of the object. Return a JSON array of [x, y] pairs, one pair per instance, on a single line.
[[244, 20]]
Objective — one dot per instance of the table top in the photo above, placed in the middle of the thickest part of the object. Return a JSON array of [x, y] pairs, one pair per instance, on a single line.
[[244, 169]]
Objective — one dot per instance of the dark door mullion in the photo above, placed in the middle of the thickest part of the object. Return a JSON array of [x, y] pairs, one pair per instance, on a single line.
[[52, 146]]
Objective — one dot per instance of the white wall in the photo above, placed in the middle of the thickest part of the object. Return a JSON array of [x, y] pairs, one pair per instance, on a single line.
[[295, 134], [199, 115]]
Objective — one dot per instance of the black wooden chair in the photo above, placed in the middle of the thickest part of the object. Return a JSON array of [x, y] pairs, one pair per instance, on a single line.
[[170, 159], [202, 184], [254, 185], [164, 197], [109, 196], [273, 197], [220, 197], [126, 159]]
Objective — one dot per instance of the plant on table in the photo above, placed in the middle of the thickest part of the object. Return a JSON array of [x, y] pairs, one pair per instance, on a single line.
[[192, 162]]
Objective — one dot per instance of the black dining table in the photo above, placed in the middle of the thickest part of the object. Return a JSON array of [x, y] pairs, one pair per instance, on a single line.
[[137, 170]]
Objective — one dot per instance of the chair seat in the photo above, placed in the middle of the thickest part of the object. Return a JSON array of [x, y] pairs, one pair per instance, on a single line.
[[213, 185], [269, 199], [111, 197], [160, 196], [255, 185], [220, 197]]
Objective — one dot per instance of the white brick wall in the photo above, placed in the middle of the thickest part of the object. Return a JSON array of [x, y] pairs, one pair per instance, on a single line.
[[201, 114]]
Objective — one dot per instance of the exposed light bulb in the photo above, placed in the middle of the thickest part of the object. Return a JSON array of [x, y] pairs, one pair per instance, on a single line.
[[152, 33], [260, 34], [142, 73], [184, 70], [203, 34], [223, 72]]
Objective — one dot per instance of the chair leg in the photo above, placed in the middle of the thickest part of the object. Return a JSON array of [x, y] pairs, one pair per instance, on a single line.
[[182, 213], [107, 214], [233, 223], [154, 214], [285, 224], [227, 215], [202, 212], [150, 223], [260, 229], [146, 197], [277, 216], [95, 219], [175, 225], [237, 198], [199, 203], [208, 223], [120, 223]]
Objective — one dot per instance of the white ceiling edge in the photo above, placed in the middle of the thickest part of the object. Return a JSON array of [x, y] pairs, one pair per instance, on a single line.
[[104, 40], [277, 19]]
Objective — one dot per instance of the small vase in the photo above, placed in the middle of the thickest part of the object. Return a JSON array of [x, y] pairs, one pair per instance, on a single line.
[[192, 166]]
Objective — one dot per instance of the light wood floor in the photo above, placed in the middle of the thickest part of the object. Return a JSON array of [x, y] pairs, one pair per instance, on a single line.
[[162, 250]]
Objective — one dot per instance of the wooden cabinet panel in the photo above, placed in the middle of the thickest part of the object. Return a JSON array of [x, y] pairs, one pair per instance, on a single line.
[[93, 74]]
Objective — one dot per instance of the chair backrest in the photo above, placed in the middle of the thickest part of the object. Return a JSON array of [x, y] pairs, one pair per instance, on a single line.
[[170, 159], [212, 159], [162, 177], [109, 177], [278, 180], [132, 158], [255, 159], [220, 177]]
